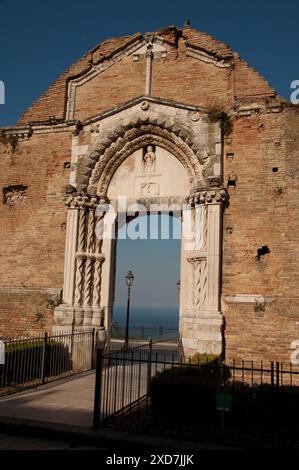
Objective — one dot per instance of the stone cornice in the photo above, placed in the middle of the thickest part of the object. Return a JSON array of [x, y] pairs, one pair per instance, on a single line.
[[208, 57], [194, 256], [148, 99], [96, 70]]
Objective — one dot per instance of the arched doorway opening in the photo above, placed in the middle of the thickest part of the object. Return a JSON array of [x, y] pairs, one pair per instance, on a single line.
[[149, 246]]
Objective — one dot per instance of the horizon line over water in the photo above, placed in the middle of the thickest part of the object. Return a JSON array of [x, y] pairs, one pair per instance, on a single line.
[[147, 316]]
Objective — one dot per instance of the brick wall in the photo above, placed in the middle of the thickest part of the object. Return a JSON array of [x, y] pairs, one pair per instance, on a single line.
[[263, 211], [32, 235]]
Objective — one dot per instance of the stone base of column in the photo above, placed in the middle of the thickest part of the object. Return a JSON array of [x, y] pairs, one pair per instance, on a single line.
[[63, 318], [87, 317], [202, 332], [98, 318], [68, 317]]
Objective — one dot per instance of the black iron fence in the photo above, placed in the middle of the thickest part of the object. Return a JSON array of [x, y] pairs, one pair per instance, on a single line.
[[40, 359], [142, 332], [242, 403]]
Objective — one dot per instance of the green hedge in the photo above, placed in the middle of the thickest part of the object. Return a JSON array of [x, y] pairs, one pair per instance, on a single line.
[[24, 361], [190, 392]]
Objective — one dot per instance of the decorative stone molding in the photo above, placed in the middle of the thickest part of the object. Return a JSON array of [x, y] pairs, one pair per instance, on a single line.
[[96, 70], [107, 154], [145, 105], [211, 196], [195, 116], [248, 299], [79, 201], [14, 195], [215, 181], [207, 57]]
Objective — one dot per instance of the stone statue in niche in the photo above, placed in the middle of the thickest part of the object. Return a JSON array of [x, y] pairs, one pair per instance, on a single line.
[[149, 160]]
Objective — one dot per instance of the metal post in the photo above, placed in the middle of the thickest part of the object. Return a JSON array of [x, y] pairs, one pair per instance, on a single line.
[[92, 347], [149, 365], [128, 317], [277, 375], [98, 388], [272, 375], [44, 358]]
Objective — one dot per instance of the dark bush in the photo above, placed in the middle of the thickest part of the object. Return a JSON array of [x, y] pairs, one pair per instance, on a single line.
[[187, 390], [190, 392], [25, 360]]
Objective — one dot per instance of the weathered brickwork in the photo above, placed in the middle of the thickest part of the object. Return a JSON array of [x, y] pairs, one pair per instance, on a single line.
[[260, 275], [32, 235], [262, 212]]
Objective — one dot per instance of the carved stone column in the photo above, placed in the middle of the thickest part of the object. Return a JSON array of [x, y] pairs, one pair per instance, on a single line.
[[83, 260], [99, 258], [90, 261], [202, 322], [80, 263], [64, 314]]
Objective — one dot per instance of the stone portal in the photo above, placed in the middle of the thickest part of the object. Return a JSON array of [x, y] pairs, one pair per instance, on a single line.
[[159, 158]]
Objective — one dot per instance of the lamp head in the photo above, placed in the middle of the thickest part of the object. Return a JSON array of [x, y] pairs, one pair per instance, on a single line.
[[129, 279]]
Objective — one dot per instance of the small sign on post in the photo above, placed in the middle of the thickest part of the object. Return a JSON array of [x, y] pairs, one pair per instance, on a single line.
[[223, 401], [223, 404], [2, 353]]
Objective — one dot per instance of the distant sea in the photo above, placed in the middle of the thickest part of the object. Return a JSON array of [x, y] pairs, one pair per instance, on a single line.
[[151, 318]]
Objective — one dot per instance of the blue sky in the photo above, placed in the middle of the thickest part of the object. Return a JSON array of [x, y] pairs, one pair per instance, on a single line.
[[39, 39], [154, 263]]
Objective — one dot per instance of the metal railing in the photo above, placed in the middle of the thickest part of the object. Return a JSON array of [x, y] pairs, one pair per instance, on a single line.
[[241, 403], [142, 332], [36, 360]]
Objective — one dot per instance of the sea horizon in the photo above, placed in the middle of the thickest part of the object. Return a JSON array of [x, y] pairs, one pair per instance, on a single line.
[[149, 317]]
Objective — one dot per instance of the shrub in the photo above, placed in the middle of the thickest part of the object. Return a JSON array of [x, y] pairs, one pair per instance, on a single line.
[[204, 358], [187, 390], [24, 361]]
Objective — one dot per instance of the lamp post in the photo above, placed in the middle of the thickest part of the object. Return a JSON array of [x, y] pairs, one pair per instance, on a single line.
[[129, 281]]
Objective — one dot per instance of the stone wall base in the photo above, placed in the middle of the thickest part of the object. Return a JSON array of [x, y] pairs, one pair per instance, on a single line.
[[202, 332]]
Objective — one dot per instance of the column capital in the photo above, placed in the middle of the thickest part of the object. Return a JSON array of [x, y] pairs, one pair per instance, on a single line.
[[76, 200], [209, 196]]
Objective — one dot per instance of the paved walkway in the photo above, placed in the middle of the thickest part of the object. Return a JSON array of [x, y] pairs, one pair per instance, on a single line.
[[59, 416], [67, 401]]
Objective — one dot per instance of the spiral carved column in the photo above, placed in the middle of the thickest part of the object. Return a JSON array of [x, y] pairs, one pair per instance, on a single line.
[[99, 259], [80, 258], [89, 260]]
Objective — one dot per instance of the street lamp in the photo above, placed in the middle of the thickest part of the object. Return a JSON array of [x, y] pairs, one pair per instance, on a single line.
[[129, 281]]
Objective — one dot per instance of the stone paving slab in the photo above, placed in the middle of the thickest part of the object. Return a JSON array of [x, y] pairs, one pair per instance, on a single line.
[[68, 401]]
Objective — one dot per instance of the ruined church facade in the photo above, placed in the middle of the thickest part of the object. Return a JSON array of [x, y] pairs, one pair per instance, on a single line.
[[173, 117]]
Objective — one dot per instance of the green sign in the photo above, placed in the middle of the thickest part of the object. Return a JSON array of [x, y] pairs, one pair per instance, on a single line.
[[224, 401]]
